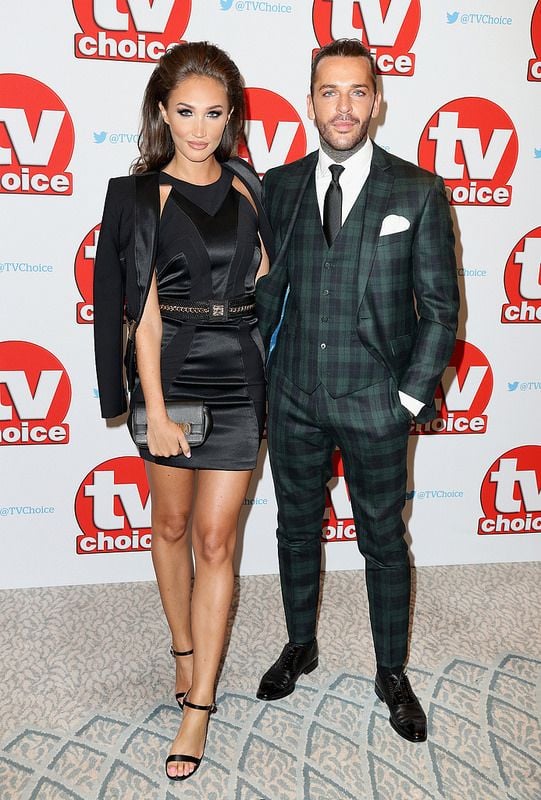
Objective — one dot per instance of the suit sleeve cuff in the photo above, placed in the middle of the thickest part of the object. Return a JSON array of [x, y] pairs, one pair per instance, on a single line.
[[414, 406]]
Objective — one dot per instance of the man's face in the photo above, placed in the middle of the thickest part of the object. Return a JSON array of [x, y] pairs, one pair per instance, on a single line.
[[343, 101]]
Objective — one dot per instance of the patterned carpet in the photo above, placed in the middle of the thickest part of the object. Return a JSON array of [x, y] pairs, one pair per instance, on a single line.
[[87, 715]]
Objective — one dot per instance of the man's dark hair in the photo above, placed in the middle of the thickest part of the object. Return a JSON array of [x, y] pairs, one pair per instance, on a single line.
[[351, 48]]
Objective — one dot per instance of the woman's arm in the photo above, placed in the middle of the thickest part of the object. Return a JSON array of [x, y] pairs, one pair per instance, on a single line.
[[165, 437], [264, 264]]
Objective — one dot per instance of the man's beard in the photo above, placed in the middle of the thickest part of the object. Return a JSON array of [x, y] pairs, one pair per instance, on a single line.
[[333, 143]]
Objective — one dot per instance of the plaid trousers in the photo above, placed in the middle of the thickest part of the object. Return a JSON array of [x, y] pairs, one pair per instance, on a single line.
[[370, 427]]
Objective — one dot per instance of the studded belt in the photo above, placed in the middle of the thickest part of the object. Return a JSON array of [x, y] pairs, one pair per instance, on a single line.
[[210, 310]]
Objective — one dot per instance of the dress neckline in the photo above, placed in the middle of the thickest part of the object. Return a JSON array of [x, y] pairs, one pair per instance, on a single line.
[[195, 186], [209, 197]]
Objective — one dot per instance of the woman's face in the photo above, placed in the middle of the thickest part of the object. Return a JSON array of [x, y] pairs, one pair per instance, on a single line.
[[197, 112]]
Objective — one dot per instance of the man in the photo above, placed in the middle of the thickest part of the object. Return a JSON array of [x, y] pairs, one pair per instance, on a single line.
[[366, 247]]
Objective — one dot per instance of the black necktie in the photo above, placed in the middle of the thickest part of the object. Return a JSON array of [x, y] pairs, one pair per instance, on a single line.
[[332, 206]]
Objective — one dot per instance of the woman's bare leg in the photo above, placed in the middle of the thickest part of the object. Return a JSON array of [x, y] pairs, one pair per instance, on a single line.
[[172, 494], [220, 495]]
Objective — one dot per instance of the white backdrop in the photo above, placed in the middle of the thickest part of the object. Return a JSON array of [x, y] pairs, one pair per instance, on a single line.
[[461, 95]]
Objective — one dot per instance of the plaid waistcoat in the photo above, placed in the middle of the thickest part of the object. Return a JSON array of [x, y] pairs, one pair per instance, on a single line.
[[320, 343]]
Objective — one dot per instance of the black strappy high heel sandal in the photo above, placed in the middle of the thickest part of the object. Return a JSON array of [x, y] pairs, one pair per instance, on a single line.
[[180, 695], [180, 757]]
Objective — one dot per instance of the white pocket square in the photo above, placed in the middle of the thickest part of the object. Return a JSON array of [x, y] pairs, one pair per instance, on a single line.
[[394, 224]]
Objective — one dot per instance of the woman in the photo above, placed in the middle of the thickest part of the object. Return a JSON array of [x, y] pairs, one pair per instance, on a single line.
[[180, 248]]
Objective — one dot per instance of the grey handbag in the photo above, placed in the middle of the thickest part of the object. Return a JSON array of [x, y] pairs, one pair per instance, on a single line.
[[193, 417]]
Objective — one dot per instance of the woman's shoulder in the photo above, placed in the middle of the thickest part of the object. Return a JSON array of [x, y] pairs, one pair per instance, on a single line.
[[125, 184], [121, 185], [120, 192], [245, 173]]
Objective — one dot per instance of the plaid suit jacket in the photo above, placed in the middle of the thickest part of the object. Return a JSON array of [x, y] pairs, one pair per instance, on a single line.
[[407, 293]]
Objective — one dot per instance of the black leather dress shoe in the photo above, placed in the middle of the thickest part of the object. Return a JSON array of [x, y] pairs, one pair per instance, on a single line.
[[406, 714], [280, 679]]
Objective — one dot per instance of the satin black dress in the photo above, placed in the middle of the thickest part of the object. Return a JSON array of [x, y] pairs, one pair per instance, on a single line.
[[209, 248]]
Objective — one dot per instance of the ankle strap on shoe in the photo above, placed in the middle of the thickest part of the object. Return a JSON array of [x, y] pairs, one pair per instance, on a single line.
[[212, 708], [180, 652]]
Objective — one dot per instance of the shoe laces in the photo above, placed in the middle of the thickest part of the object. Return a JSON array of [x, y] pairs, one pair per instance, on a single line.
[[401, 689], [290, 655]]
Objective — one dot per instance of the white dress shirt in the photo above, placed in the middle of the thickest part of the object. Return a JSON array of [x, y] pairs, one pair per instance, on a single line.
[[352, 180]]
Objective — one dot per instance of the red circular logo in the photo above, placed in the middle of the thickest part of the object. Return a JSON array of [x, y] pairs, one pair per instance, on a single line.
[[129, 30], [36, 138], [463, 394], [511, 493], [276, 134], [84, 275], [338, 522], [534, 65], [35, 395], [112, 507], [522, 279], [472, 143], [387, 27], [535, 29]]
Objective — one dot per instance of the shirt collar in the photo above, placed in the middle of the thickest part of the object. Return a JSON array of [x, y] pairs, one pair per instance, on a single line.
[[354, 165]]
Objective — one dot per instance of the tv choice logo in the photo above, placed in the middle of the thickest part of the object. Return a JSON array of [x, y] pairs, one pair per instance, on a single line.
[[276, 133], [129, 30], [36, 138], [462, 395], [84, 275], [534, 64], [112, 508], [338, 522], [522, 280], [472, 143], [511, 493], [35, 395], [389, 29]]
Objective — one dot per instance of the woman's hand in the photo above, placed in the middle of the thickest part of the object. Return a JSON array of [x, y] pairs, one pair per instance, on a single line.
[[166, 438]]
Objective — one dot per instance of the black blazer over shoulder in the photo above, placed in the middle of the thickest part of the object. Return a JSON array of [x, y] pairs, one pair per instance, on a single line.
[[123, 269]]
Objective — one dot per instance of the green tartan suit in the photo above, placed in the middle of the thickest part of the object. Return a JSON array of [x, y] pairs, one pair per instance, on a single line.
[[364, 318]]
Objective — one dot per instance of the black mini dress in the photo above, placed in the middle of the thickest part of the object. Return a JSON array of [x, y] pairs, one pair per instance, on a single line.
[[209, 249]]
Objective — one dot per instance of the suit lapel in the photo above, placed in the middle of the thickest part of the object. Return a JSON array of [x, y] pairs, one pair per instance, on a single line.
[[379, 185], [291, 199]]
